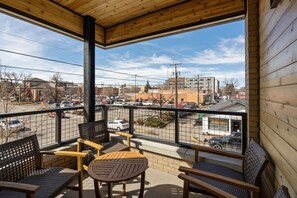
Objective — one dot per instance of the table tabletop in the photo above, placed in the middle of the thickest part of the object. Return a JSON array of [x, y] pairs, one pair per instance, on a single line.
[[117, 166]]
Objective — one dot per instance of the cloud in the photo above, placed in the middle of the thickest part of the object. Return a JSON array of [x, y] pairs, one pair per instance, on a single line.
[[125, 62], [229, 51], [25, 38]]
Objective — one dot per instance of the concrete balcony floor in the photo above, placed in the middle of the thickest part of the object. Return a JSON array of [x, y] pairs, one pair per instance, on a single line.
[[158, 185]]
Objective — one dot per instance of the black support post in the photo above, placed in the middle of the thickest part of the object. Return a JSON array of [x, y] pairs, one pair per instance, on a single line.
[[89, 69], [176, 127], [131, 121], [58, 118], [244, 133]]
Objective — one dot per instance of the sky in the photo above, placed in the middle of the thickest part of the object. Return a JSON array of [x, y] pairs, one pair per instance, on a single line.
[[216, 51]]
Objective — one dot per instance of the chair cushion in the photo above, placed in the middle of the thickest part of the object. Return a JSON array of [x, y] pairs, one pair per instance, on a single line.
[[219, 170], [51, 181]]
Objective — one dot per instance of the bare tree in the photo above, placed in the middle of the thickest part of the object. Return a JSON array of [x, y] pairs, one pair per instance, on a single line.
[[10, 91], [229, 87], [54, 92]]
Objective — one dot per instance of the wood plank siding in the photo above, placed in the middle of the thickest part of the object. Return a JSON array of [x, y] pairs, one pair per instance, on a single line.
[[278, 93]]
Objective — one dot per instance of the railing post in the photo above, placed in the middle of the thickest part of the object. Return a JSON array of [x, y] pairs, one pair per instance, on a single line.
[[58, 126], [105, 116], [244, 133], [131, 120], [176, 127]]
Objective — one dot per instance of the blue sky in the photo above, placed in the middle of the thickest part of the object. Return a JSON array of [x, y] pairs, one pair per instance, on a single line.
[[216, 51]]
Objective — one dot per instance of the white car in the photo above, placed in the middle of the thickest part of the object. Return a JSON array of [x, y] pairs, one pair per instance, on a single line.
[[147, 103], [118, 125], [119, 103], [65, 104], [13, 124]]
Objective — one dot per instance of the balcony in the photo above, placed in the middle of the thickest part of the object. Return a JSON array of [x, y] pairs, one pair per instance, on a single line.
[[163, 135], [270, 68]]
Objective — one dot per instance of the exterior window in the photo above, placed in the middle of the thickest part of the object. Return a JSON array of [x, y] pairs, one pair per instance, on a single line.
[[218, 124]]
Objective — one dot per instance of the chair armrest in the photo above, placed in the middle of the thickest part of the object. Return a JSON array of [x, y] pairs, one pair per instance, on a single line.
[[207, 187], [90, 143], [65, 153], [19, 187], [220, 178], [124, 134], [215, 151], [129, 136]]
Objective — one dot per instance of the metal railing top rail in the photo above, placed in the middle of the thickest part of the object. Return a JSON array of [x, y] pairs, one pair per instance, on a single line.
[[180, 109], [24, 113]]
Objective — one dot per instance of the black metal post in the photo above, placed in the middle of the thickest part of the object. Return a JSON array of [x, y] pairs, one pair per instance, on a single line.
[[105, 116], [89, 69], [244, 133], [58, 131], [131, 121], [176, 127]]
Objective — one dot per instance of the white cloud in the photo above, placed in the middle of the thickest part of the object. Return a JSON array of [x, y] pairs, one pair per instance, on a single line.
[[229, 51], [125, 62]]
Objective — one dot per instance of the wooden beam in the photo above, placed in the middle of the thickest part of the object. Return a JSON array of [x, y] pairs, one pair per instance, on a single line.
[[48, 14], [184, 15]]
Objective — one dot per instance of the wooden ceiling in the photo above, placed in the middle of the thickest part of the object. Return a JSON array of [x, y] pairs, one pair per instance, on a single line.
[[124, 21]]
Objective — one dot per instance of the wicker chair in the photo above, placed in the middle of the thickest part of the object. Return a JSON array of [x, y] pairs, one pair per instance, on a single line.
[[22, 175], [282, 193], [94, 140], [228, 181]]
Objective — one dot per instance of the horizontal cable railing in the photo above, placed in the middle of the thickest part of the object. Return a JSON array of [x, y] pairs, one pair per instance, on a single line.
[[182, 127]]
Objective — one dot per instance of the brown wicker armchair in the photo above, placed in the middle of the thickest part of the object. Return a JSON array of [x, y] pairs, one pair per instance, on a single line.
[[220, 181], [22, 175], [94, 140]]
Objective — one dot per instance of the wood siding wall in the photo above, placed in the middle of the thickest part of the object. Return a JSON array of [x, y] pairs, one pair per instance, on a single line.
[[252, 68], [278, 93]]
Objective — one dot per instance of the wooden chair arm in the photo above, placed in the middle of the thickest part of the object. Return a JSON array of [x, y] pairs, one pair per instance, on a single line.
[[129, 136], [90, 143], [29, 189], [220, 178], [205, 186], [215, 151], [65, 153], [124, 134]]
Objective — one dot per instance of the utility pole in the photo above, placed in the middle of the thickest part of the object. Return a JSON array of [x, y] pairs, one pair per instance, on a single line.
[[176, 73]]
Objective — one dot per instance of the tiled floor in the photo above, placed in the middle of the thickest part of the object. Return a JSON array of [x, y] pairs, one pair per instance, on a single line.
[[158, 185]]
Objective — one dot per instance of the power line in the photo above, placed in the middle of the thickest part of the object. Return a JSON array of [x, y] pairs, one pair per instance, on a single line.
[[73, 64], [65, 73]]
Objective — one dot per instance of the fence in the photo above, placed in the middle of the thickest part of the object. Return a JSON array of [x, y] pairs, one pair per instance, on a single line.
[[182, 127]]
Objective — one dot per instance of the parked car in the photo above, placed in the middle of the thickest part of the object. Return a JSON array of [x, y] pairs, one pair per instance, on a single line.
[[53, 114], [147, 103], [65, 104], [226, 142], [118, 125], [54, 105], [119, 103], [13, 124]]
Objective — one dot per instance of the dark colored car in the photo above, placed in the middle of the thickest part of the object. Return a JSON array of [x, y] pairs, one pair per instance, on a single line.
[[228, 142]]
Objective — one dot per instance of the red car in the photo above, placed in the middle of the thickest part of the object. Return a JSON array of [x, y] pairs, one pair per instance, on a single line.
[[53, 114]]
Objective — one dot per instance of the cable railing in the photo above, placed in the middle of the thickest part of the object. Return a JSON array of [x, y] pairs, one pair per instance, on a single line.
[[182, 127]]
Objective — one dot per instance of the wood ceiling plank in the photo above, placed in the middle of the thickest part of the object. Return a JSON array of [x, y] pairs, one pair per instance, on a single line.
[[64, 2], [50, 12], [126, 12], [50, 15], [180, 15]]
